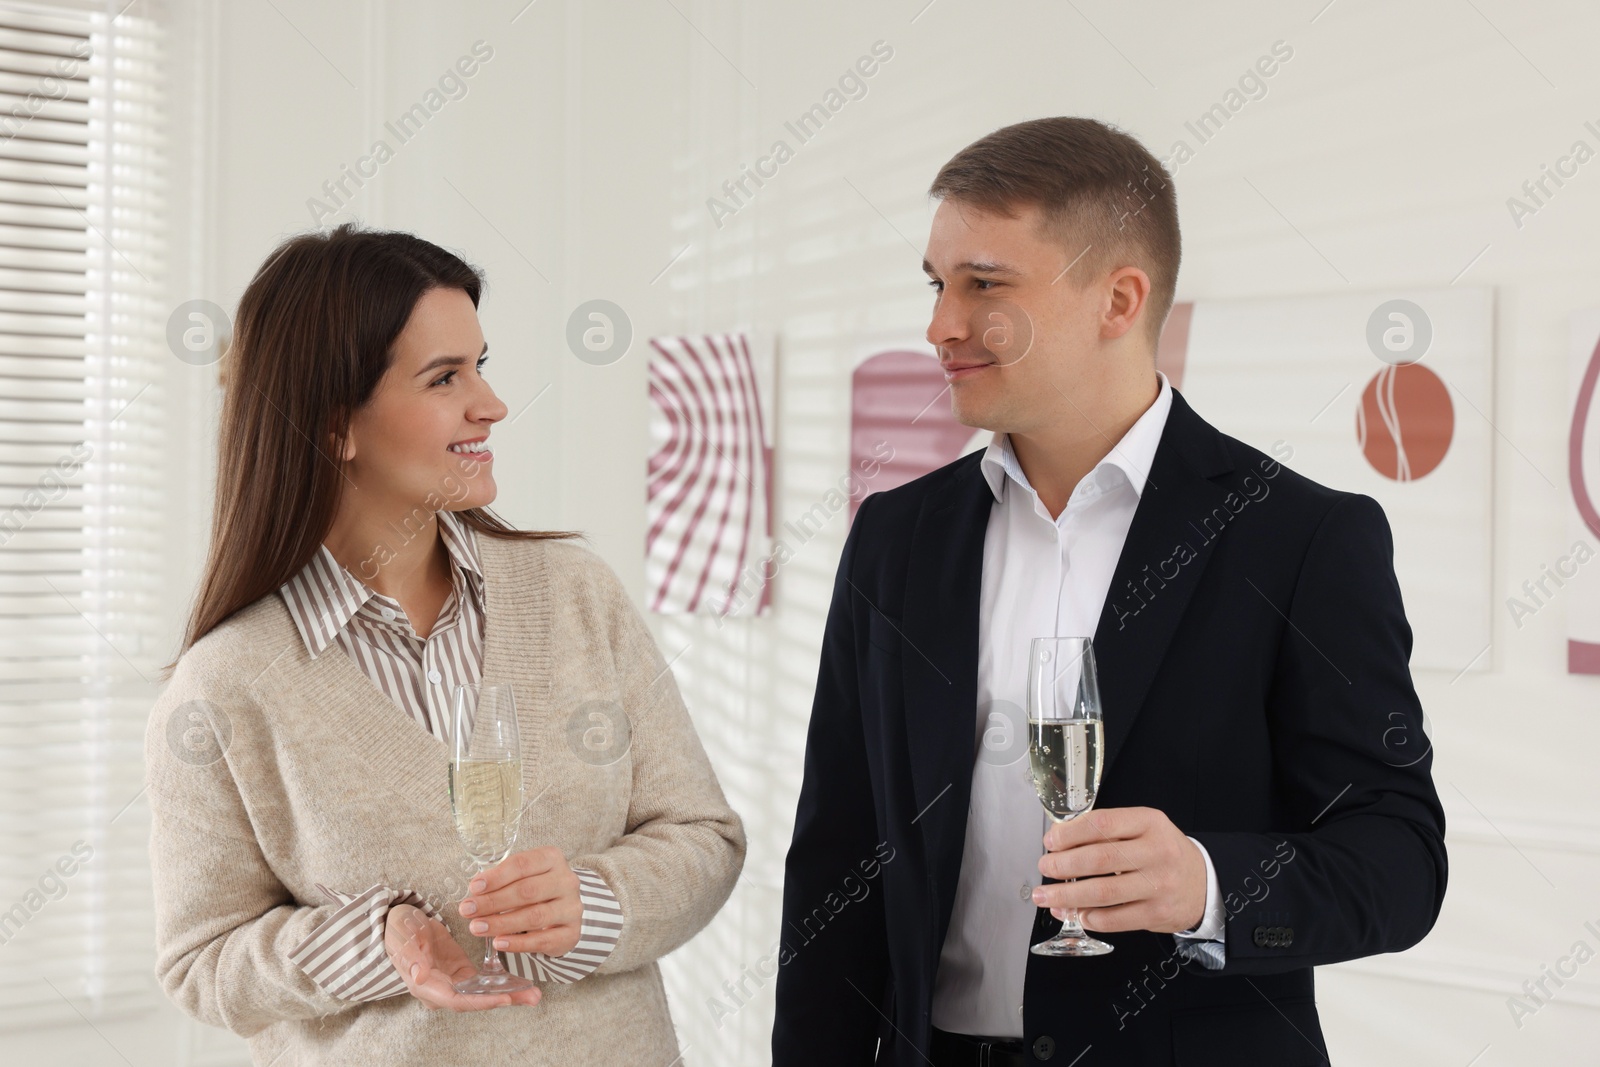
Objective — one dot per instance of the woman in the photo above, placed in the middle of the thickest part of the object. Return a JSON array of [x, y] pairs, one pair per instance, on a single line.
[[311, 893]]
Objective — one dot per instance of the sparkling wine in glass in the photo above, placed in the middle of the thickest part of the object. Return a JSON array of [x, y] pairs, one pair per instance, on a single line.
[[486, 798], [1066, 746]]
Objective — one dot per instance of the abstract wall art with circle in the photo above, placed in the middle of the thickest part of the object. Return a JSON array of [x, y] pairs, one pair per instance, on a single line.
[[1386, 394], [1405, 421]]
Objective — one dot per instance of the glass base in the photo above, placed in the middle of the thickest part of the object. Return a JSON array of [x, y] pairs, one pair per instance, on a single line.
[[1071, 945], [493, 983]]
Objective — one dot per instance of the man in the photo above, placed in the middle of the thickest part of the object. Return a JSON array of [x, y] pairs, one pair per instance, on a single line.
[[1258, 813]]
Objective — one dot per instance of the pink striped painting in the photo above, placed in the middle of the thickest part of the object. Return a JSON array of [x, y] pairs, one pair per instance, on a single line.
[[709, 478], [899, 398]]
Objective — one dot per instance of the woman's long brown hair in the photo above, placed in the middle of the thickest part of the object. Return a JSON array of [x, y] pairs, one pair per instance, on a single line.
[[312, 338]]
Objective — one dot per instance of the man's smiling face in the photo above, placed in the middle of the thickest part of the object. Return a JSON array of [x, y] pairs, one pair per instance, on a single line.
[[1015, 328]]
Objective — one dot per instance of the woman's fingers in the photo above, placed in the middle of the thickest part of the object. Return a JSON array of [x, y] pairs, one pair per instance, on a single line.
[[533, 888], [555, 941], [430, 963], [437, 990], [443, 997], [528, 903], [405, 940], [527, 919]]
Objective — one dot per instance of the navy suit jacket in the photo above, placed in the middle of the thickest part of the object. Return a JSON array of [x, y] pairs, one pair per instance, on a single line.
[[1253, 661]]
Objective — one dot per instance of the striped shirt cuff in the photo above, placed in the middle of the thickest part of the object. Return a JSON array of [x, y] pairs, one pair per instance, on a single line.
[[345, 954], [597, 938], [1207, 942], [1209, 954]]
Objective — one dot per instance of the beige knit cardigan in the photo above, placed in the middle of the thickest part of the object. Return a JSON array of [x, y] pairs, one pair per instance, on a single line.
[[309, 774]]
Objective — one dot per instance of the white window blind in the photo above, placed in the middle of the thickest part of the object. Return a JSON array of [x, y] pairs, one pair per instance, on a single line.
[[82, 321]]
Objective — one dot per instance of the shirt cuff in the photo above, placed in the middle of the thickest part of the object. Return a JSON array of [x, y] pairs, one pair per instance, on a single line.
[[600, 928], [345, 954], [1206, 941]]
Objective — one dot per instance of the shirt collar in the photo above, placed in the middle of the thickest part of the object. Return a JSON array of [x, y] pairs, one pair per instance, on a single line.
[[323, 597], [1132, 455], [462, 543]]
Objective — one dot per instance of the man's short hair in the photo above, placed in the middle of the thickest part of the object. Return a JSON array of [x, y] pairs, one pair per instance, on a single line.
[[1097, 187]]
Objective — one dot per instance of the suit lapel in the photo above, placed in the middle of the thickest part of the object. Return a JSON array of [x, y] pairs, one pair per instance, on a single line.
[[1166, 551], [944, 573]]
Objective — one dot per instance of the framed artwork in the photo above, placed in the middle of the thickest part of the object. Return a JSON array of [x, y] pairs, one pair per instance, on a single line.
[[709, 495], [1386, 394], [1569, 575]]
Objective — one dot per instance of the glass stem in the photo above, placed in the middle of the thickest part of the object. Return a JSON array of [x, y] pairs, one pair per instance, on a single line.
[[491, 958], [1070, 926]]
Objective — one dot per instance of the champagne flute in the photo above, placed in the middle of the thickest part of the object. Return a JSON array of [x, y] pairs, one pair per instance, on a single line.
[[486, 798], [1065, 751]]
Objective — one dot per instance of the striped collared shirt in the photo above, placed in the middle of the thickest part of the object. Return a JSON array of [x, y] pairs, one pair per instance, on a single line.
[[330, 605], [345, 954]]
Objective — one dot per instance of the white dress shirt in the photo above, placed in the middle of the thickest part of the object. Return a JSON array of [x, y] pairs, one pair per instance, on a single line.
[[1042, 577]]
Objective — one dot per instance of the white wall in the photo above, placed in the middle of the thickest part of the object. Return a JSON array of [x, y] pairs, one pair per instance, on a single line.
[[585, 150]]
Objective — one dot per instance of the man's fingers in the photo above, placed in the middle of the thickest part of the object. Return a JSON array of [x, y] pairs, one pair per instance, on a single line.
[[1092, 892], [1095, 858], [1115, 920], [1101, 824], [1145, 914]]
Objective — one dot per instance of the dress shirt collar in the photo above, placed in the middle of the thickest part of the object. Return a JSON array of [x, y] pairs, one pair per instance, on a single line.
[[323, 597], [1131, 456]]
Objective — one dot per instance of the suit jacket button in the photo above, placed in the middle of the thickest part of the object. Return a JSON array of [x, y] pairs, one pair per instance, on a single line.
[[1259, 936], [1044, 1047], [1288, 936]]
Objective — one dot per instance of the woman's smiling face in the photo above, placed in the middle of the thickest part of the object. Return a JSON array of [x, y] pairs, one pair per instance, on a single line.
[[432, 397]]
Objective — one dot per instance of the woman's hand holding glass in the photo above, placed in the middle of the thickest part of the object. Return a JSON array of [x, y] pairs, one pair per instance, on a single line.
[[528, 902], [431, 963]]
